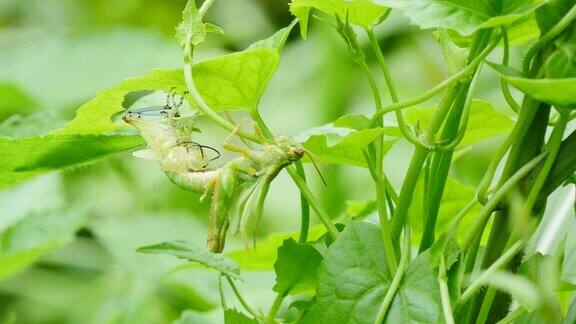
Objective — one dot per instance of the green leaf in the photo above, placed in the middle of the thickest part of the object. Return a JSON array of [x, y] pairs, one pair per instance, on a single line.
[[263, 256], [484, 122], [233, 81], [463, 16], [551, 12], [26, 241], [352, 121], [562, 62], [364, 13], [191, 24], [184, 250], [354, 278], [232, 316], [455, 57], [276, 41], [447, 247], [296, 268], [23, 158], [348, 148], [560, 92]]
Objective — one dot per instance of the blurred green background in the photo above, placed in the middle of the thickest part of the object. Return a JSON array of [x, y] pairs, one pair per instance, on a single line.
[[57, 54]]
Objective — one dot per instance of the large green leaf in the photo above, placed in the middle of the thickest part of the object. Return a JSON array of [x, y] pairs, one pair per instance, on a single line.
[[22, 158], [233, 81], [354, 278], [296, 267], [265, 254], [560, 92], [463, 16], [562, 63], [364, 13], [227, 82], [232, 316], [40, 233], [484, 122], [193, 253], [338, 143]]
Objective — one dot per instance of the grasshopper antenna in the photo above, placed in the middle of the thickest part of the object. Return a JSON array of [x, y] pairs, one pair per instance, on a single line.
[[314, 158]]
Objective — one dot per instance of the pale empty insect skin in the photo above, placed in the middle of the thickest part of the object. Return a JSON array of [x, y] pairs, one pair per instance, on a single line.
[[168, 143]]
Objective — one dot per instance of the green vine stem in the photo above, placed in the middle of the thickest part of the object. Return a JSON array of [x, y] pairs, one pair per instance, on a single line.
[[378, 176], [525, 117], [440, 165], [384, 224], [444, 292], [275, 307], [564, 23], [397, 279], [241, 298], [465, 72], [304, 207], [503, 84], [552, 147], [499, 263], [483, 215]]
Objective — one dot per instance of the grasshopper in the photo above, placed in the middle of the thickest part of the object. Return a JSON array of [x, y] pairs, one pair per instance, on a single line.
[[236, 185]]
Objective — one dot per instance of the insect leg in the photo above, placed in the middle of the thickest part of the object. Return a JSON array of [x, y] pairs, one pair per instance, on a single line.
[[227, 142], [225, 190]]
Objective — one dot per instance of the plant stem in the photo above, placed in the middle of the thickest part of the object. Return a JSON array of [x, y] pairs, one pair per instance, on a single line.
[[196, 96], [378, 177], [465, 72], [552, 147], [512, 317], [500, 262], [486, 211], [241, 298], [275, 307], [304, 207], [444, 293], [525, 118], [564, 23], [221, 292], [389, 297], [503, 84], [324, 218]]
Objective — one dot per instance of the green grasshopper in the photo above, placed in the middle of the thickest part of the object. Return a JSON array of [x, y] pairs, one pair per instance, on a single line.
[[236, 185]]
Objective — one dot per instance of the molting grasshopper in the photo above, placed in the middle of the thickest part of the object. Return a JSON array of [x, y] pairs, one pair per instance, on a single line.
[[234, 187]]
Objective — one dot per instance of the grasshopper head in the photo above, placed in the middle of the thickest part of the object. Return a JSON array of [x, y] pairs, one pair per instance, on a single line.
[[294, 151]]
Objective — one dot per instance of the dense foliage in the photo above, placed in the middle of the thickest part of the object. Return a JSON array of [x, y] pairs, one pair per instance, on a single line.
[[422, 243]]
